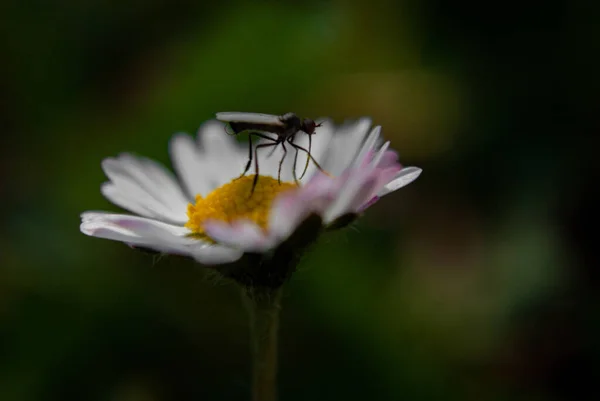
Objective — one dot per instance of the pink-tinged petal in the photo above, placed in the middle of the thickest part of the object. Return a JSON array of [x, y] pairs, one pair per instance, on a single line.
[[322, 183], [241, 234], [367, 158], [347, 194], [365, 152], [369, 204], [291, 209], [357, 174], [360, 171], [381, 178], [287, 213], [317, 198], [383, 158], [403, 178], [364, 193], [389, 159], [379, 155], [386, 175]]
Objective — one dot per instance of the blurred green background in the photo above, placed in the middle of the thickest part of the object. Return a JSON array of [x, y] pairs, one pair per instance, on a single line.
[[477, 282]]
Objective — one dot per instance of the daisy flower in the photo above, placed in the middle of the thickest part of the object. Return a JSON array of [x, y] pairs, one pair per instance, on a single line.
[[210, 214]]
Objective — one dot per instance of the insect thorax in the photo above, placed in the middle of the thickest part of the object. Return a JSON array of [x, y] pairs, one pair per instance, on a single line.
[[292, 123]]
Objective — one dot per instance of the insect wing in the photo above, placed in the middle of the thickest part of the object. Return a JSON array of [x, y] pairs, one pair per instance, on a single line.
[[250, 118]]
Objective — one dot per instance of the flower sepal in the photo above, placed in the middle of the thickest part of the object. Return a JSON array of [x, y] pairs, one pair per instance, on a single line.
[[343, 221], [270, 270]]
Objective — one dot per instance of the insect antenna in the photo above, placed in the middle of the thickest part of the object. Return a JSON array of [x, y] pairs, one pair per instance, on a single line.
[[307, 159], [294, 168], [309, 150]]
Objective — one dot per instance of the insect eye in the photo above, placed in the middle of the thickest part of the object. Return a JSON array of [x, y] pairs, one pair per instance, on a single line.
[[309, 126]]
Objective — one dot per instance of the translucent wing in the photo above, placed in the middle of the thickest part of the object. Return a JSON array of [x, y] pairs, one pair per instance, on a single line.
[[250, 118]]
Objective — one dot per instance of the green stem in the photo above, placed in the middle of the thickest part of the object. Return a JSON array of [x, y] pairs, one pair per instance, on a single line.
[[264, 306]]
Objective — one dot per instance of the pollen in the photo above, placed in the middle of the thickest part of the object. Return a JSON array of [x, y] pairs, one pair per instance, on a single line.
[[235, 200]]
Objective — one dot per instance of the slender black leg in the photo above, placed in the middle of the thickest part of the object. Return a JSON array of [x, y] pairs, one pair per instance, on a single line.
[[281, 163], [298, 147], [262, 145], [271, 152], [294, 169], [291, 139], [258, 134], [249, 157]]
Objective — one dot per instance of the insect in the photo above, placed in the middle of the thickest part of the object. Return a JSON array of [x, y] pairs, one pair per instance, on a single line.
[[285, 127]]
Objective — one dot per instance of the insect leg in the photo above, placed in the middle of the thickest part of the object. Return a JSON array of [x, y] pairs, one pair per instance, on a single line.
[[249, 157], [295, 162], [256, 172], [298, 147], [281, 163], [271, 152], [294, 169]]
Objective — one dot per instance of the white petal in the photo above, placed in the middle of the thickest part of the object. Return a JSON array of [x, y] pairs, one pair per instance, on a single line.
[[156, 235], [148, 184], [353, 185], [127, 200], [370, 142], [345, 144], [242, 234], [404, 177], [189, 165], [210, 254], [347, 194], [136, 231], [156, 179], [223, 156], [364, 194]]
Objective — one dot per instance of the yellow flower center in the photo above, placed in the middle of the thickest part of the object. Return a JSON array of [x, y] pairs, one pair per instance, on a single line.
[[232, 201]]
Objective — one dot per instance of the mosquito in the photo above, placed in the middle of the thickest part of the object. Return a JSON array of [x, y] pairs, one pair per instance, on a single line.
[[285, 126]]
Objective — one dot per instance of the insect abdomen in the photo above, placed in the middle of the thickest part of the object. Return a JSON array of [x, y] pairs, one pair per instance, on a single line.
[[239, 127]]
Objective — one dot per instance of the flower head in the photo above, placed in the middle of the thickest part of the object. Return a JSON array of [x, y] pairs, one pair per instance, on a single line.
[[212, 214]]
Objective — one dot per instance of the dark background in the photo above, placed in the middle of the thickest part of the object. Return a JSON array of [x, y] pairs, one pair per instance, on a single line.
[[477, 282]]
